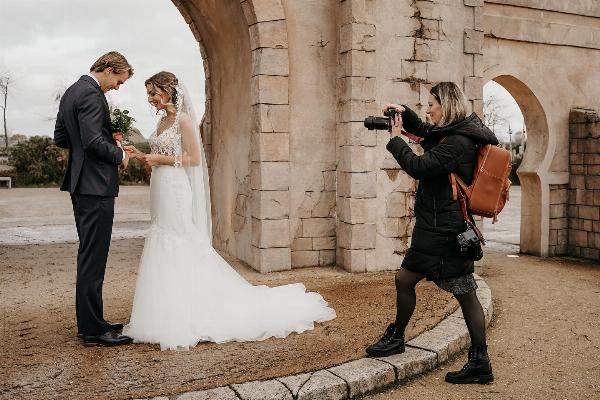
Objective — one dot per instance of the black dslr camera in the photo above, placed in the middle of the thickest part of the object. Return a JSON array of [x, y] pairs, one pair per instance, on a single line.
[[469, 243], [382, 123]]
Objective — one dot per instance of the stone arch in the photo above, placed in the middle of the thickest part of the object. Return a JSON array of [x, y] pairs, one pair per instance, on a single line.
[[534, 168], [245, 128]]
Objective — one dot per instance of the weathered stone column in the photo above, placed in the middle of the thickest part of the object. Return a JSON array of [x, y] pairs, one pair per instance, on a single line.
[[269, 148], [356, 176]]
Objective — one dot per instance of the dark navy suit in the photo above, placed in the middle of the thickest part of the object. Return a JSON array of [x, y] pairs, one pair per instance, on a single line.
[[92, 178]]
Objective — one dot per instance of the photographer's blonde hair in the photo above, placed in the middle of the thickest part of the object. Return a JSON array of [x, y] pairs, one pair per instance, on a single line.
[[452, 100]]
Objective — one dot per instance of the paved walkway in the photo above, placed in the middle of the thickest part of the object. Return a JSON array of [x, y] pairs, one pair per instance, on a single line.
[[544, 338]]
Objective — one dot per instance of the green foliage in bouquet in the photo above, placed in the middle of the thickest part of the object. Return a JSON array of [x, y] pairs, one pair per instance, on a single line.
[[37, 161], [122, 122]]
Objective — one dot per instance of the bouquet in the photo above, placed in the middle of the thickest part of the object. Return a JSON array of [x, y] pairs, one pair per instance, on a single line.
[[122, 122]]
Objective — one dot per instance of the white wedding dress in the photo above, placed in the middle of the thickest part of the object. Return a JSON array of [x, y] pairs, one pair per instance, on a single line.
[[186, 292]]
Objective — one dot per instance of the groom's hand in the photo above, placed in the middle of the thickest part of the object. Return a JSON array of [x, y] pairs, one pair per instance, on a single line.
[[125, 161]]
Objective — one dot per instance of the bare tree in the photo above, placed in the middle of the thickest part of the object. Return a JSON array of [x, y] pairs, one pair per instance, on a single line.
[[493, 113], [5, 82]]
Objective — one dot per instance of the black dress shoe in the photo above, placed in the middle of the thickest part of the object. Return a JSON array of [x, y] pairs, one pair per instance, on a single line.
[[110, 338], [115, 327], [390, 343], [478, 368]]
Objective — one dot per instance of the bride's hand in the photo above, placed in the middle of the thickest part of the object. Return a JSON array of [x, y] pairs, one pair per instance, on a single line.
[[134, 152], [153, 159]]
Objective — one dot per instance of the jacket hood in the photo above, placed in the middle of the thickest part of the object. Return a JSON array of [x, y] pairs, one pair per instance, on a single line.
[[472, 127]]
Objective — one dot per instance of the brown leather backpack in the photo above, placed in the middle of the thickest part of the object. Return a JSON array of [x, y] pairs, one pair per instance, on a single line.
[[488, 191]]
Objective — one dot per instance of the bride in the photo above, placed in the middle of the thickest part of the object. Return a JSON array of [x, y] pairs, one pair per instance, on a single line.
[[186, 292]]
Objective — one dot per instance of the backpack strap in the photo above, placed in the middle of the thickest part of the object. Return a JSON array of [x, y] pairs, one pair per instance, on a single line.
[[459, 193]]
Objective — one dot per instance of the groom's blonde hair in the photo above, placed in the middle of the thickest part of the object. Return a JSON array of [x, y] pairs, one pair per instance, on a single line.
[[114, 60]]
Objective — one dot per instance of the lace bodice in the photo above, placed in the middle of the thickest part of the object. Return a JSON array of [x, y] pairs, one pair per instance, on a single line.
[[168, 143]]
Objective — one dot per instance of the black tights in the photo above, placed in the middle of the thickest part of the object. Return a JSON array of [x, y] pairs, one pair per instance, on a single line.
[[406, 300]]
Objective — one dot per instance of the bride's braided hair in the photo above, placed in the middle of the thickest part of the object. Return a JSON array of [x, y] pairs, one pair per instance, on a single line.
[[167, 82]]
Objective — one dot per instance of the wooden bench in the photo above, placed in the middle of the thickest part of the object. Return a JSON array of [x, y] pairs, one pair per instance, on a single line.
[[7, 179]]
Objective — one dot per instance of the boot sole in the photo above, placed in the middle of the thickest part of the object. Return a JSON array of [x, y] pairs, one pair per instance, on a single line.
[[480, 379], [104, 344], [386, 354]]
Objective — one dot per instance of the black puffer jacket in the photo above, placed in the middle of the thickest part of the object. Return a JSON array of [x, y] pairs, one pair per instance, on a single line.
[[434, 251]]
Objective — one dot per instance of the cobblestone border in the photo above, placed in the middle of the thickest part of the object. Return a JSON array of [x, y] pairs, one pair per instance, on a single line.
[[359, 377]]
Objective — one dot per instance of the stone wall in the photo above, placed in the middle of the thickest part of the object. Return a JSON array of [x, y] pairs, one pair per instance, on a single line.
[[296, 180], [584, 184]]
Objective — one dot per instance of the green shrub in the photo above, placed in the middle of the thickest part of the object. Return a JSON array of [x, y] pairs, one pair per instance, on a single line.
[[38, 161]]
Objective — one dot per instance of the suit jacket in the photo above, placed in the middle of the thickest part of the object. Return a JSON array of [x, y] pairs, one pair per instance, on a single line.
[[83, 126]]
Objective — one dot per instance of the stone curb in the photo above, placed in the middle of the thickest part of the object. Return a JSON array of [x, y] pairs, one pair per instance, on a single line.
[[359, 377]]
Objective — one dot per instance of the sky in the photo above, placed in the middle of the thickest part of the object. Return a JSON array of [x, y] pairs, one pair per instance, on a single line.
[[508, 108], [46, 45]]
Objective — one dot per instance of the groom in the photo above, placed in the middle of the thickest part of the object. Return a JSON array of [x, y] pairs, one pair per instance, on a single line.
[[92, 178]]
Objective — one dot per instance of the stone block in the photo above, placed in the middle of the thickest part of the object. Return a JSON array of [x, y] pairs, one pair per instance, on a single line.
[[427, 9], [271, 260], [576, 182], [357, 87], [591, 159], [357, 36], [325, 205], [395, 205], [558, 211], [270, 118], [351, 260], [365, 375], [474, 3], [318, 227], [473, 87], [269, 61], [357, 185], [270, 147], [356, 211], [358, 63], [412, 362], [329, 181], [302, 244], [269, 89], [269, 175], [473, 41], [222, 393], [270, 233], [578, 238], [361, 11], [356, 159], [269, 34], [326, 257], [589, 212], [324, 243], [355, 134], [593, 254], [305, 258], [271, 204], [478, 19], [262, 390], [444, 341], [358, 236], [320, 385], [559, 223], [413, 71], [592, 182], [262, 10], [558, 196], [352, 110], [426, 50]]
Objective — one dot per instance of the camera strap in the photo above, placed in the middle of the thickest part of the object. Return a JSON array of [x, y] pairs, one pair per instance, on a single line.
[[458, 193]]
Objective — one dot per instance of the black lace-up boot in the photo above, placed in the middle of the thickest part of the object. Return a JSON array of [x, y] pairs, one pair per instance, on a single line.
[[392, 342], [478, 368]]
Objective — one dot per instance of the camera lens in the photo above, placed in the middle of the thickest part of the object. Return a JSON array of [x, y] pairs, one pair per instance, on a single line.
[[379, 123]]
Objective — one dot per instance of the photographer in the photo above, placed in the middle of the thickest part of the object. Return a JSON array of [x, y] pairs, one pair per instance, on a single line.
[[450, 145]]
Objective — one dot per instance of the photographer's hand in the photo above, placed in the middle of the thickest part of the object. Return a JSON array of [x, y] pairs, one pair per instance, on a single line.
[[397, 126], [398, 107]]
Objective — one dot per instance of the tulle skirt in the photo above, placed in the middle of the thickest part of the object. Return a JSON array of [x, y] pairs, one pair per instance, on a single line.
[[187, 293]]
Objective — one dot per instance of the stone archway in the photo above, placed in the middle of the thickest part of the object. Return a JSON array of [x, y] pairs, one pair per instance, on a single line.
[[245, 127], [534, 168]]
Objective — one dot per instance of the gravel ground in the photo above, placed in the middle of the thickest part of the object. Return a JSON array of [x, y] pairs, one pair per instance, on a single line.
[[42, 358]]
